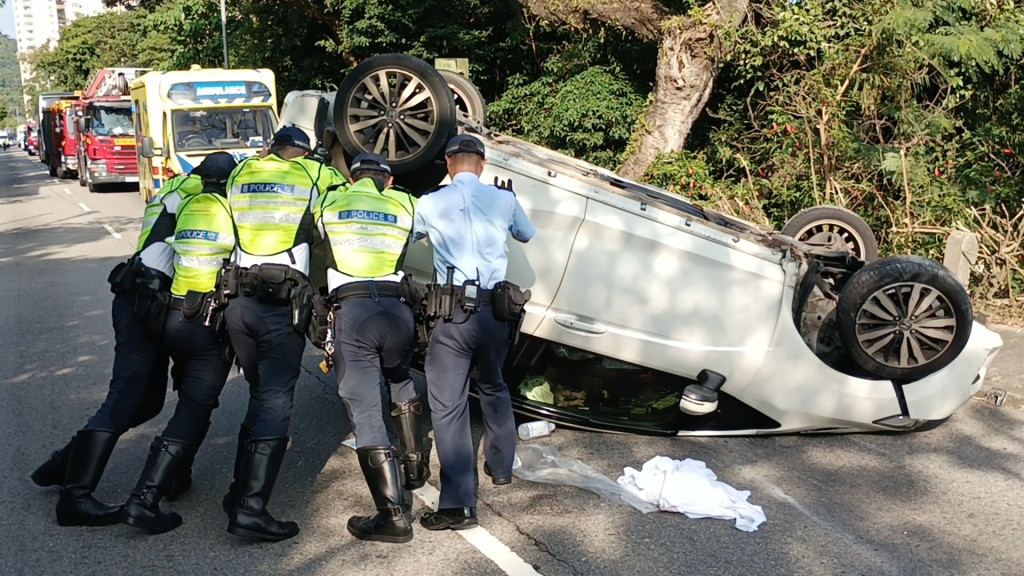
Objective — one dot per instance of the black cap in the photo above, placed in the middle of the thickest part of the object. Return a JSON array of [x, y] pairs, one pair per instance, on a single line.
[[292, 136], [216, 167], [368, 161], [465, 143]]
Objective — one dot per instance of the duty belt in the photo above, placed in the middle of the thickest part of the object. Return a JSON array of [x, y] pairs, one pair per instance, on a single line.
[[365, 289]]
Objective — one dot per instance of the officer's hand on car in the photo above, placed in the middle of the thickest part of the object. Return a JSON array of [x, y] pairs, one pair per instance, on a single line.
[[321, 154], [504, 185]]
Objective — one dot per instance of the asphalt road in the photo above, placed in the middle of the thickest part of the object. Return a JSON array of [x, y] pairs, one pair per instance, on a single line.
[[946, 501]]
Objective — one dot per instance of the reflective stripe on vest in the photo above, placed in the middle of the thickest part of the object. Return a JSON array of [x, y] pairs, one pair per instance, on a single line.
[[269, 196], [203, 238], [177, 188], [367, 229]]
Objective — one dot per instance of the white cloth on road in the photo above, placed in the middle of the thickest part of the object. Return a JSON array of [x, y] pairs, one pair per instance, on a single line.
[[688, 486]]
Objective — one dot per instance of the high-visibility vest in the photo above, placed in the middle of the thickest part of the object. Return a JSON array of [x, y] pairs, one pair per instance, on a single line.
[[158, 222], [367, 230], [272, 198], [164, 206], [203, 238]]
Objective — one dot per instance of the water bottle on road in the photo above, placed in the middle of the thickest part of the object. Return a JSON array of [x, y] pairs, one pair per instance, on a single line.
[[535, 429]]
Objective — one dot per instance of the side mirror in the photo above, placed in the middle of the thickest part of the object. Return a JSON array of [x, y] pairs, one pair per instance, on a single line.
[[146, 149], [81, 124]]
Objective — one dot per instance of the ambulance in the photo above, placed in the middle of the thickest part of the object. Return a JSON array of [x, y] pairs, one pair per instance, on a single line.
[[183, 116]]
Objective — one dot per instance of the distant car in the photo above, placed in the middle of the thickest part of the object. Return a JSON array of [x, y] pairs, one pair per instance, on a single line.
[[32, 145], [649, 314]]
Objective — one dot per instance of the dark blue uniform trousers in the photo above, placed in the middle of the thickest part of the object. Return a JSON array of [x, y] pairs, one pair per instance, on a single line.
[[373, 339], [454, 347], [138, 383], [196, 349], [269, 350]]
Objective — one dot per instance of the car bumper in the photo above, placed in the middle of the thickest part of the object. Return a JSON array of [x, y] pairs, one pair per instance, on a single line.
[[115, 179]]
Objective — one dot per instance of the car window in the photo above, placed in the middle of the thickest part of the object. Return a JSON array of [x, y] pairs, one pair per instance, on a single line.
[[593, 386]]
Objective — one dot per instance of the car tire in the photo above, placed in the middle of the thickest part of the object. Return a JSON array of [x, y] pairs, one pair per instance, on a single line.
[[423, 180], [903, 318], [468, 99], [411, 133], [831, 227]]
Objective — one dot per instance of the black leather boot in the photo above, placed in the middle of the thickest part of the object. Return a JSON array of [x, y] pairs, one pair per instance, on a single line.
[[166, 457], [182, 481], [257, 473], [380, 467], [408, 420], [244, 434], [87, 458], [51, 472]]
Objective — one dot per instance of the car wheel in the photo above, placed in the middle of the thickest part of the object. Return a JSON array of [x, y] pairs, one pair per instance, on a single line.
[[397, 106], [468, 99], [903, 318], [424, 179], [835, 228]]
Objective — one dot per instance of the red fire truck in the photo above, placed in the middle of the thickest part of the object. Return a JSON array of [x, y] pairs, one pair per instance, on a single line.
[[59, 147], [106, 135]]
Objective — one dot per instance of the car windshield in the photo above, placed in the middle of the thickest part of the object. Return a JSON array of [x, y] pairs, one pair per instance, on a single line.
[[222, 128], [112, 121]]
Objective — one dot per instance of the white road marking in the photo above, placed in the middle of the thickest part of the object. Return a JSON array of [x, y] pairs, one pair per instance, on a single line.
[[68, 192], [84, 207], [113, 232], [508, 561]]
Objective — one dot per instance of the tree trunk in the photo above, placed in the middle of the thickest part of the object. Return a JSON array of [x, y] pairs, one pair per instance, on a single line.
[[685, 73], [684, 78]]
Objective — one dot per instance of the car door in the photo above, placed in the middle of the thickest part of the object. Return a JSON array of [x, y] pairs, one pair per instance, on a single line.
[[667, 291]]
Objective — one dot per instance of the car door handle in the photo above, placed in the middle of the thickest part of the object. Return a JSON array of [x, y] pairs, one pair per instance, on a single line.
[[577, 325]]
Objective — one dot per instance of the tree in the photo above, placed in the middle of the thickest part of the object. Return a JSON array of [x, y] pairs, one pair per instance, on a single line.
[[688, 39]]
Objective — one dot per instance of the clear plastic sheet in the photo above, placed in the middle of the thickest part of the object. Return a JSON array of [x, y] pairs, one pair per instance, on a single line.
[[545, 464]]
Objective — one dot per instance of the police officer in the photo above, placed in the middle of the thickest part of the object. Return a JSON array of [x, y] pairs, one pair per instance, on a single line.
[[138, 383], [468, 223], [367, 227], [203, 238], [271, 199]]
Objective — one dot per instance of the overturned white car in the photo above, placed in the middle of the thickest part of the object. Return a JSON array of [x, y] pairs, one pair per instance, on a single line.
[[652, 315]]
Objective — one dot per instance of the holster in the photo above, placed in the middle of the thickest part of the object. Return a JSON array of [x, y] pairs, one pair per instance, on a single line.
[[301, 298], [510, 307], [194, 305], [320, 322], [152, 294], [509, 301], [122, 277]]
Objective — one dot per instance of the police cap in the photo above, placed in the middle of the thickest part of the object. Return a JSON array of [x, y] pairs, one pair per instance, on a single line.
[[292, 136], [216, 167], [465, 143], [368, 161]]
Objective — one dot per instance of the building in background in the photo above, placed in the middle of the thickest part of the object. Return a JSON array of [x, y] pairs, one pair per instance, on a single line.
[[39, 22]]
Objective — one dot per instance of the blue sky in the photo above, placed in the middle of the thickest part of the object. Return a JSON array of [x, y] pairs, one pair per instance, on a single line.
[[7, 20]]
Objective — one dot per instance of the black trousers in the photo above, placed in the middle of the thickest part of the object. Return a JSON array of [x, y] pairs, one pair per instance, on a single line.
[[373, 340], [138, 383], [454, 348], [197, 350], [269, 350]]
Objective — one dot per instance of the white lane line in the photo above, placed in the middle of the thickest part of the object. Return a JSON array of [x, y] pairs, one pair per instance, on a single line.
[[68, 192], [113, 232], [508, 561], [84, 207]]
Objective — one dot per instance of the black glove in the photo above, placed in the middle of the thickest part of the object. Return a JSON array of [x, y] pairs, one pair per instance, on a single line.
[[321, 155], [504, 185]]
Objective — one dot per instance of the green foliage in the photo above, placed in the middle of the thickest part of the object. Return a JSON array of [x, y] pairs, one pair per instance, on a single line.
[[10, 84], [908, 112], [588, 115]]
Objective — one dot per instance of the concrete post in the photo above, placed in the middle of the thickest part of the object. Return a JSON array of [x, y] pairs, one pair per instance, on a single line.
[[961, 254]]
